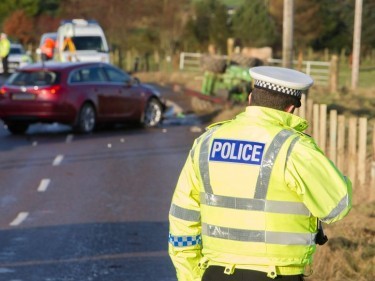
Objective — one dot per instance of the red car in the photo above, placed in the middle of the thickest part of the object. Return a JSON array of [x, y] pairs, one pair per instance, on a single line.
[[78, 94]]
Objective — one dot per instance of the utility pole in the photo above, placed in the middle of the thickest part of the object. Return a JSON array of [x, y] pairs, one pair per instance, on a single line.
[[356, 43], [288, 16]]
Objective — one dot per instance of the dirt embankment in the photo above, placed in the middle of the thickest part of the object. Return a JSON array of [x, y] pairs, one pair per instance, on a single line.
[[359, 103]]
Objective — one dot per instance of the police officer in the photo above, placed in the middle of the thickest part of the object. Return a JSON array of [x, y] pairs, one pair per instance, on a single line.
[[4, 52], [254, 190]]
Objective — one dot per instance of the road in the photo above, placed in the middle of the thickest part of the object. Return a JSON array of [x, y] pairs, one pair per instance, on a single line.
[[90, 207]]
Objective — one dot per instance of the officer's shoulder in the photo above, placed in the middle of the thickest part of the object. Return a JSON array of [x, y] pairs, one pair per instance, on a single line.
[[217, 124], [306, 140]]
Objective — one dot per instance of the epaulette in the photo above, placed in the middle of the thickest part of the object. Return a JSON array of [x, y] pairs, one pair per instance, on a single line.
[[304, 134]]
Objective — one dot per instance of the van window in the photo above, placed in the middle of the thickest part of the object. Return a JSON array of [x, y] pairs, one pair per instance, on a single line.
[[88, 43]]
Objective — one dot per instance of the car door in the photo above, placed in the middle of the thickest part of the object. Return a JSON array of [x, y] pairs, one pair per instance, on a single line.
[[103, 91], [126, 93]]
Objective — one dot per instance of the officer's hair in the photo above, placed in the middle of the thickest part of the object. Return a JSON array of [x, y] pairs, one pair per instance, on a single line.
[[271, 99]]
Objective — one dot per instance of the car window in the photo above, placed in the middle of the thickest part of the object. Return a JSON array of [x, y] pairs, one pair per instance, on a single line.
[[93, 74], [34, 78], [117, 76], [76, 77], [15, 51]]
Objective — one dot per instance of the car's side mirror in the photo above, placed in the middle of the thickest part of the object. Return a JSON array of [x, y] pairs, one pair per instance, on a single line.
[[136, 81]]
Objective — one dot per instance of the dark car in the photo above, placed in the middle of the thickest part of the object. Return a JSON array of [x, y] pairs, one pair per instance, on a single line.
[[78, 94]]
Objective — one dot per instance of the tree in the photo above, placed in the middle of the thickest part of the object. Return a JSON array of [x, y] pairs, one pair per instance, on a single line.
[[26, 20], [19, 26], [307, 21], [219, 30], [208, 24], [336, 25], [368, 26], [253, 24]]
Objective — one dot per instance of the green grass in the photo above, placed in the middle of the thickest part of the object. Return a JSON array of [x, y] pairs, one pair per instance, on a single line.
[[232, 2], [365, 78], [228, 2]]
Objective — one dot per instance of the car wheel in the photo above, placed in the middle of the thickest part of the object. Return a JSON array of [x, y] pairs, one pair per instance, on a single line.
[[153, 113], [17, 128], [86, 119]]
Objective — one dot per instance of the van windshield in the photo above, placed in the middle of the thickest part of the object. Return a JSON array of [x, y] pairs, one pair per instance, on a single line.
[[82, 43]]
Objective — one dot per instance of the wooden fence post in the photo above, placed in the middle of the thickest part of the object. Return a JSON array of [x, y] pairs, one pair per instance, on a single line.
[[334, 74], [341, 159], [315, 129], [309, 115], [129, 60], [373, 163], [352, 147], [323, 127], [332, 135], [302, 109], [361, 167]]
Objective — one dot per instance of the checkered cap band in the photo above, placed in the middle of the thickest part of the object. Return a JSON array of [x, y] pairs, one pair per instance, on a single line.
[[278, 88], [185, 241]]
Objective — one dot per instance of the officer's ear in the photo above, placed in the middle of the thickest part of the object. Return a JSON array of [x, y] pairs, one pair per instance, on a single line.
[[290, 108]]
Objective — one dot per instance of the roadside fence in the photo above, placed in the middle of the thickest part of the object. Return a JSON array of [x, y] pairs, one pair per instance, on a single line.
[[349, 142], [322, 72]]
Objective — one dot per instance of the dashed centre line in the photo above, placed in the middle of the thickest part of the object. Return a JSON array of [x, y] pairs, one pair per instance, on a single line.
[[43, 185], [19, 219], [58, 159]]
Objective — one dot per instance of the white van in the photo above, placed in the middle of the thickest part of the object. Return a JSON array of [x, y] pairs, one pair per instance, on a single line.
[[81, 40]]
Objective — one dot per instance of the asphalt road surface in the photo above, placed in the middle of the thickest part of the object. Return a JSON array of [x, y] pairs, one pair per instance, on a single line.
[[91, 207]]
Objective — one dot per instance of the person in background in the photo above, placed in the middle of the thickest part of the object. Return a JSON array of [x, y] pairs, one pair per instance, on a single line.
[[48, 48], [254, 190], [4, 52]]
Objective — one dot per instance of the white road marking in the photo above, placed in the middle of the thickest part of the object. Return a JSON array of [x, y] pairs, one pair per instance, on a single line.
[[43, 185], [35, 143], [6, 270], [69, 138], [19, 219], [57, 160]]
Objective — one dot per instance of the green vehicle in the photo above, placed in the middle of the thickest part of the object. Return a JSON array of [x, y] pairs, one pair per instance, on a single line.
[[234, 84], [225, 82]]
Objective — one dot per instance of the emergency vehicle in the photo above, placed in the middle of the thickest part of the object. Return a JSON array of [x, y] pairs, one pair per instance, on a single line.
[[81, 40]]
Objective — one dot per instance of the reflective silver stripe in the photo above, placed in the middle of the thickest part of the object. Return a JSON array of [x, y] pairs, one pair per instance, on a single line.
[[290, 238], [268, 162], [270, 206], [338, 209], [285, 207], [232, 202], [184, 214], [270, 237], [192, 151], [291, 147], [203, 161]]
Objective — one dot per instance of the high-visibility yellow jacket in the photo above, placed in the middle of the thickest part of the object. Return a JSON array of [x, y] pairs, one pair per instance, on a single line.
[[4, 47], [250, 195]]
